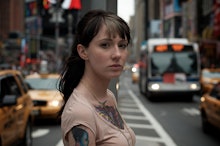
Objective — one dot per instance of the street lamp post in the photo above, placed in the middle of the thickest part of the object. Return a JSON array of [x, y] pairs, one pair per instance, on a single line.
[[57, 28], [70, 29]]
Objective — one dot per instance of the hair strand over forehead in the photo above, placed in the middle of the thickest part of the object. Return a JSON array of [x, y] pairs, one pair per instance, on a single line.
[[92, 22]]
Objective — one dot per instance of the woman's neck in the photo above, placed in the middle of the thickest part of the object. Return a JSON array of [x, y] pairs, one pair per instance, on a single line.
[[96, 87]]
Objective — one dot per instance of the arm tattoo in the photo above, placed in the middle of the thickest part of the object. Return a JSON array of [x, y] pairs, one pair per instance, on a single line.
[[81, 136]]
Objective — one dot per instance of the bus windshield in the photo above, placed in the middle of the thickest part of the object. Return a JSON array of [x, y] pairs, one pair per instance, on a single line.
[[173, 62]]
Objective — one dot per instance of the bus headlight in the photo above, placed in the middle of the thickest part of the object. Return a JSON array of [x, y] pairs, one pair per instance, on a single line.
[[193, 86], [155, 86]]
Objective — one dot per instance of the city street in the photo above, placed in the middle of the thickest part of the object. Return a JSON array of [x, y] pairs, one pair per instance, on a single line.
[[171, 46], [169, 122]]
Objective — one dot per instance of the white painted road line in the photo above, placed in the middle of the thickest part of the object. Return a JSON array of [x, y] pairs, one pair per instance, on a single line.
[[143, 126], [60, 143], [134, 117], [122, 104], [40, 132], [130, 110], [191, 111], [154, 139]]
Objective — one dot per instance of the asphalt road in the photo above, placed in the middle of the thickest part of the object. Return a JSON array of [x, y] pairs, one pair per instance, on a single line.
[[167, 122]]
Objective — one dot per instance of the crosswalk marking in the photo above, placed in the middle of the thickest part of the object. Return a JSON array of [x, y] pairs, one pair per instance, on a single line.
[[191, 111], [60, 143], [128, 104], [134, 117], [143, 126], [166, 138], [163, 136], [130, 110], [40, 132], [147, 138]]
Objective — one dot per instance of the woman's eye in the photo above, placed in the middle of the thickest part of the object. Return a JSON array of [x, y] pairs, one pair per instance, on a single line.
[[123, 46], [105, 45]]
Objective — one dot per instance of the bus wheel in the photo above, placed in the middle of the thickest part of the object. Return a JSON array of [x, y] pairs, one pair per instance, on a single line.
[[149, 96]]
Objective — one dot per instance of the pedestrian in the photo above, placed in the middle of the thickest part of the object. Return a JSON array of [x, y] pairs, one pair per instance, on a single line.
[[90, 116]]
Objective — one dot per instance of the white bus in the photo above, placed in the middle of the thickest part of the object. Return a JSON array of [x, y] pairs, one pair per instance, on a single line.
[[172, 68]]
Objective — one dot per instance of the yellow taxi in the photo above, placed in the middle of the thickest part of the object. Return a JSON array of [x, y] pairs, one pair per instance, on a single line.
[[210, 109], [47, 100], [209, 77], [135, 73], [15, 110]]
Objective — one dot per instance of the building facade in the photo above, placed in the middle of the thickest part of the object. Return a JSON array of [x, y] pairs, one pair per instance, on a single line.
[[197, 20], [11, 17]]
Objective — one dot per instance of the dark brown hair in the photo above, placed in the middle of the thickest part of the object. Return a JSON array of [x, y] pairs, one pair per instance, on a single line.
[[87, 28]]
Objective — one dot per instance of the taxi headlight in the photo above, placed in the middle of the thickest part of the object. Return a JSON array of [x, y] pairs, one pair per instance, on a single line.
[[134, 69], [215, 82], [54, 103], [193, 86], [202, 99], [155, 86], [117, 86]]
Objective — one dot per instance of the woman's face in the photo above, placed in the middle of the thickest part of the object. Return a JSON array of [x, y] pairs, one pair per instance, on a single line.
[[107, 54]]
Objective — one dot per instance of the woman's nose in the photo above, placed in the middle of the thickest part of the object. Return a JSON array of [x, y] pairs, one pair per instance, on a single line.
[[116, 53]]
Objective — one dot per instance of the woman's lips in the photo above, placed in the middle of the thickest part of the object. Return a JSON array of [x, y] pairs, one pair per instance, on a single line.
[[116, 66]]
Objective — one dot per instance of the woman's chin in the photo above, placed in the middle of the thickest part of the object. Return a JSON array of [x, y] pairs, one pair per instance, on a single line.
[[116, 75]]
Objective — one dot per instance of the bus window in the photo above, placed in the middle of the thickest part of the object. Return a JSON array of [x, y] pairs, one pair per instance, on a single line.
[[179, 62], [159, 63], [187, 61]]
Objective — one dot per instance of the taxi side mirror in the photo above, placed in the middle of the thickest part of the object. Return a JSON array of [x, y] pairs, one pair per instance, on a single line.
[[9, 100]]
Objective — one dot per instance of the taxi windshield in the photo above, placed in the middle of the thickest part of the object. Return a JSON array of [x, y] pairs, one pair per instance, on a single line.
[[211, 74], [43, 83]]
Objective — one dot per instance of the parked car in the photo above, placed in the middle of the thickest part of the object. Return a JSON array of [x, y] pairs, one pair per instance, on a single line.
[[44, 93], [209, 77], [5, 66], [15, 110], [210, 109]]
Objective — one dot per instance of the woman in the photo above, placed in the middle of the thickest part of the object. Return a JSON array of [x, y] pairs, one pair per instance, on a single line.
[[90, 116]]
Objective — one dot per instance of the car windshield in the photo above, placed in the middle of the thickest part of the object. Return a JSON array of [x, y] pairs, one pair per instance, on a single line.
[[43, 83], [211, 74]]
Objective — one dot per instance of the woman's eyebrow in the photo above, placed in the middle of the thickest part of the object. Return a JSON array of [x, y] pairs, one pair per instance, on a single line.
[[108, 38], [105, 39]]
